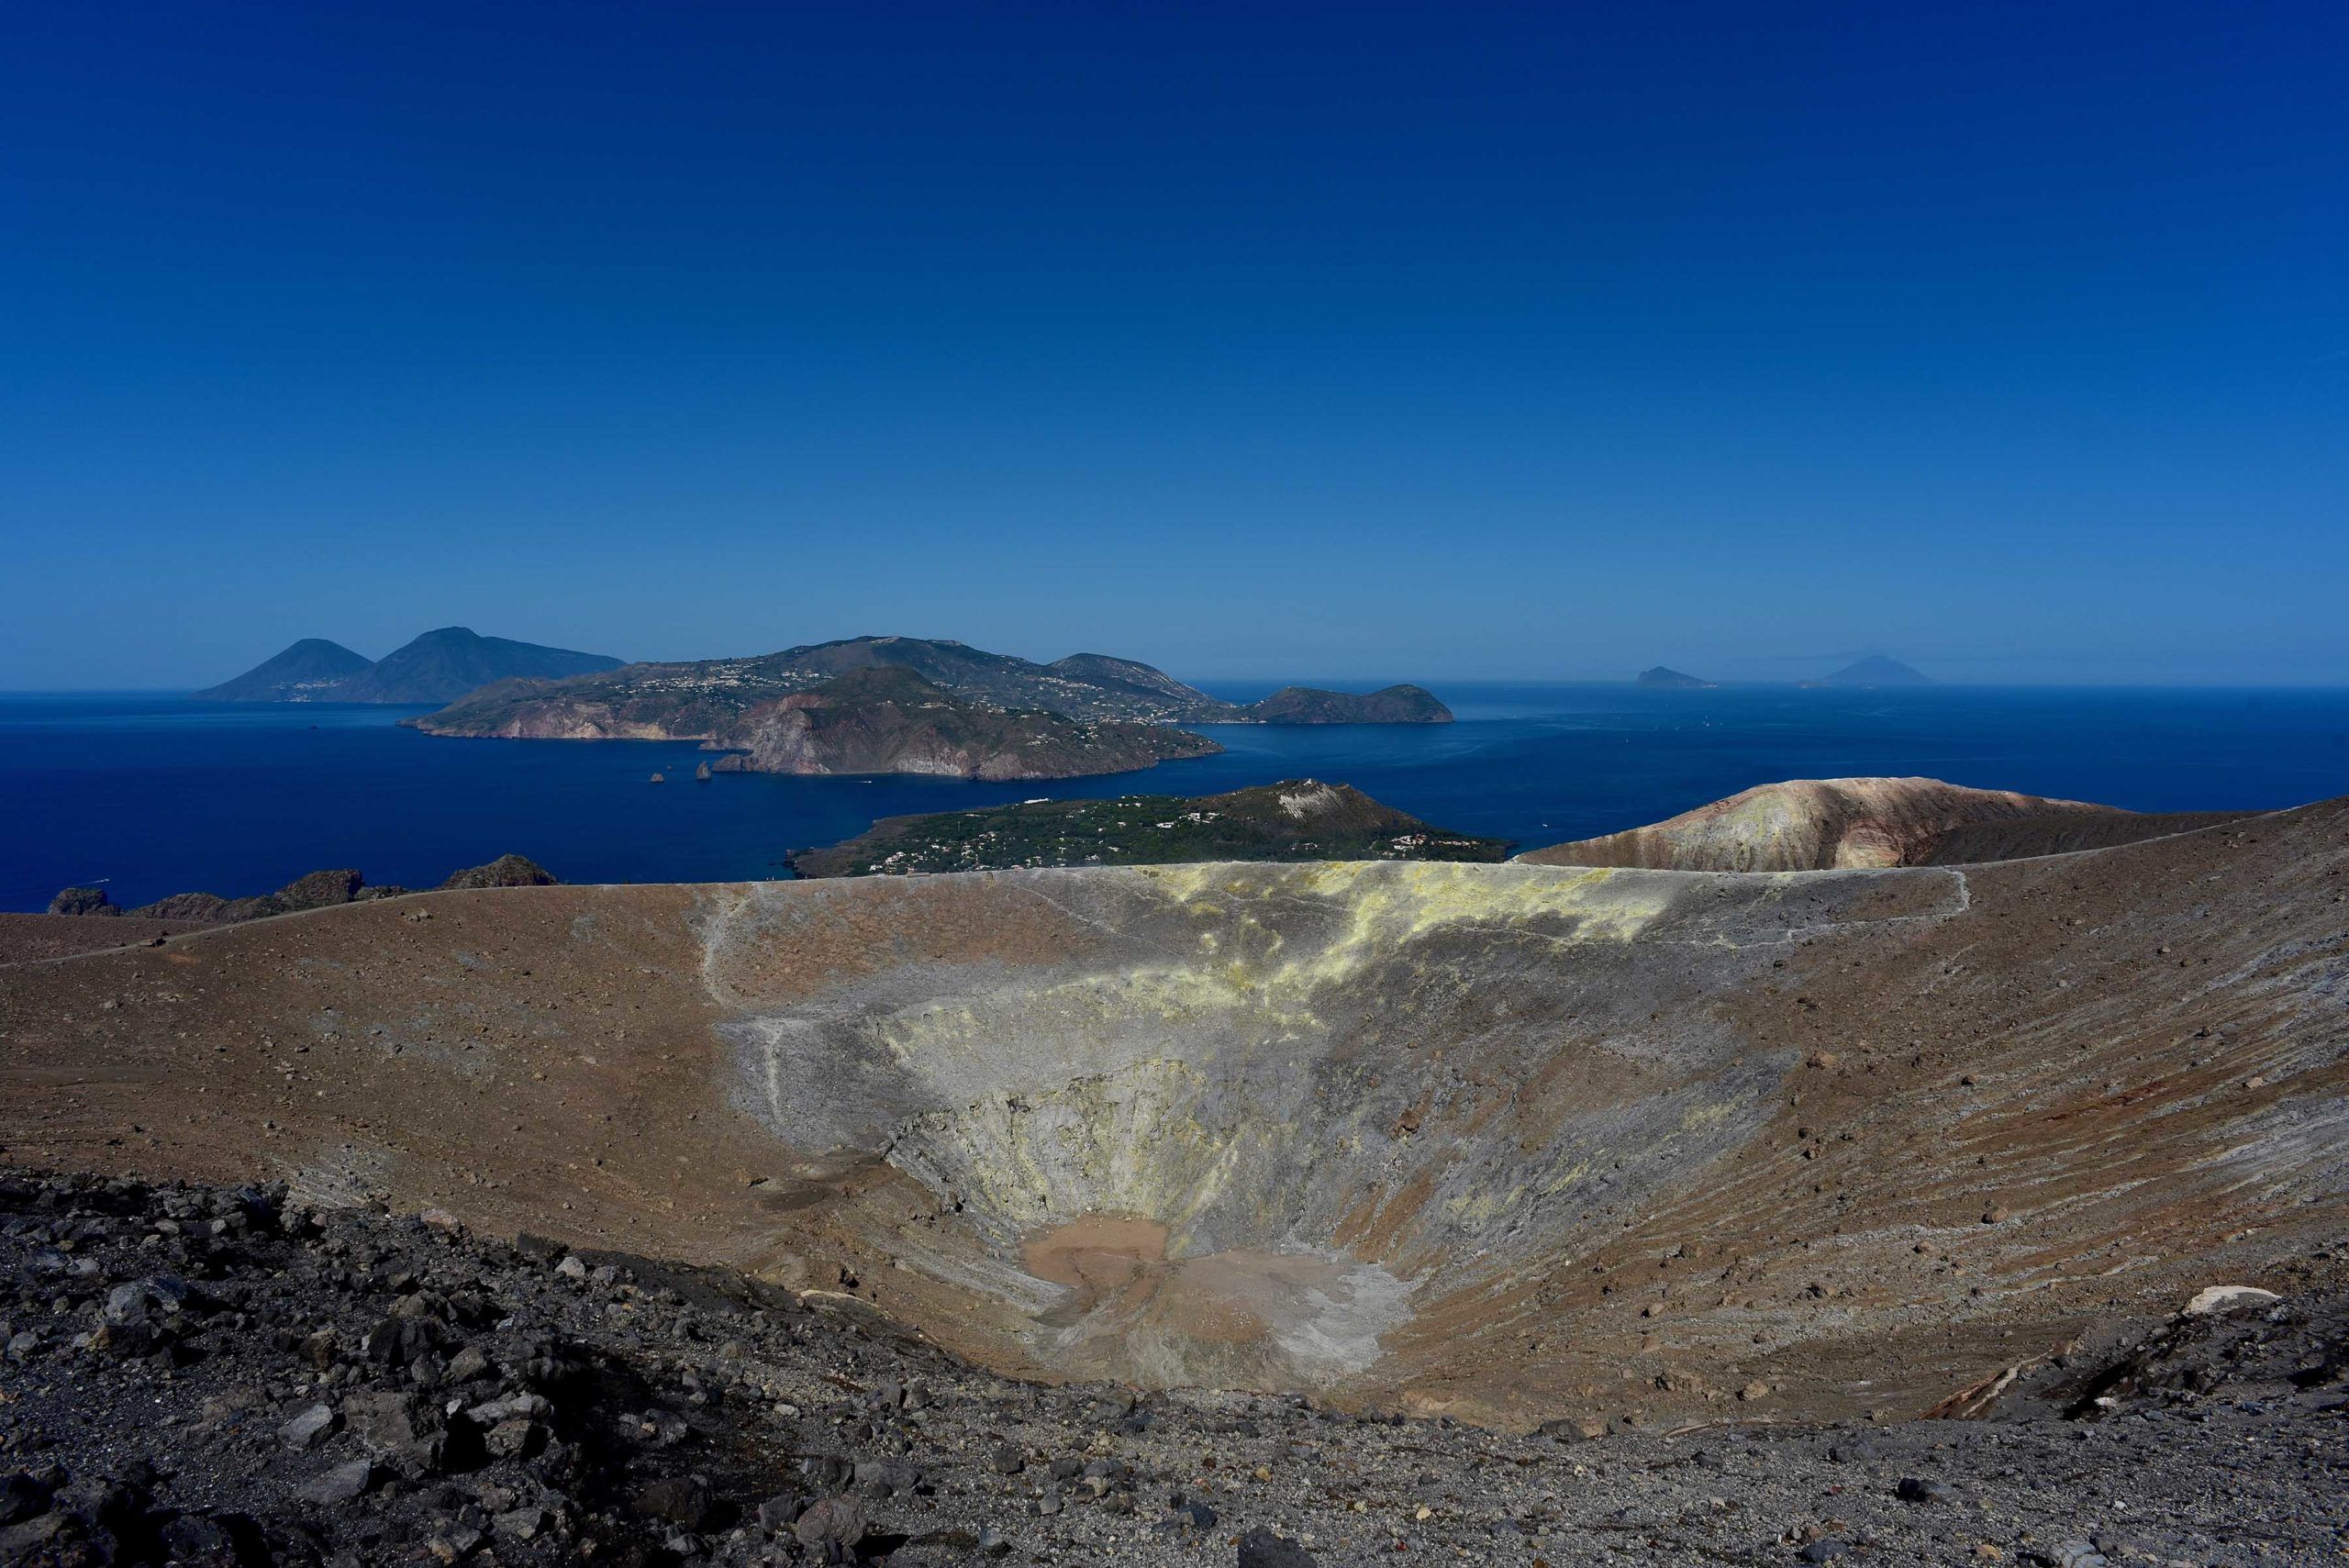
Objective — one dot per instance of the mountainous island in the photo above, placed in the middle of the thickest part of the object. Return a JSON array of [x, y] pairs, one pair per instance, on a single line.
[[1875, 670], [438, 667], [964, 712], [1296, 819], [1663, 678]]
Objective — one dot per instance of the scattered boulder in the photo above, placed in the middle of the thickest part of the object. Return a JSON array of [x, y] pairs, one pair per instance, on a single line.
[[2226, 1298], [1259, 1548]]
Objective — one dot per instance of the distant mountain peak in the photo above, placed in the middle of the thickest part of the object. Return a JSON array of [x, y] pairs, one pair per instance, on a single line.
[[1875, 670], [1664, 678], [440, 666], [307, 671]]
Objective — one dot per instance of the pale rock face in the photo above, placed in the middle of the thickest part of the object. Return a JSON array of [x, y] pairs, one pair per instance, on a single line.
[[2217, 1298], [1811, 825]]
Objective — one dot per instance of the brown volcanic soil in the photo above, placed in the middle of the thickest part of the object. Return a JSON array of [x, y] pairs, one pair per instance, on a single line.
[[2066, 832], [1829, 824], [25, 938], [1639, 1148]]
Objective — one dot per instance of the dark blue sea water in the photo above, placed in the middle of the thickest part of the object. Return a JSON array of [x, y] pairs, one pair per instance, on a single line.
[[152, 794]]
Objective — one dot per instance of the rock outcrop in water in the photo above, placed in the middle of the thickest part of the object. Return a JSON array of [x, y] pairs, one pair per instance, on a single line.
[[1297, 819], [1826, 824]]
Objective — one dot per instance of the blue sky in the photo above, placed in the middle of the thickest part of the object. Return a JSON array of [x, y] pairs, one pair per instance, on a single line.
[[1364, 341]]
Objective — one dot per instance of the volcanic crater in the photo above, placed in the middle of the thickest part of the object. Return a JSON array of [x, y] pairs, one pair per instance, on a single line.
[[1518, 1143]]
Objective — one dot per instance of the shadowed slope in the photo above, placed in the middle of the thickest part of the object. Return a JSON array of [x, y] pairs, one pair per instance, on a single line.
[[1513, 1142]]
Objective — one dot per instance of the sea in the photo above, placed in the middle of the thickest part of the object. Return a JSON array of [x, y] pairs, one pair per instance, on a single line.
[[147, 794]]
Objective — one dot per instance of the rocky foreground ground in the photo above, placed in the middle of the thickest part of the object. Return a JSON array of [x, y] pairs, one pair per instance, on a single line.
[[217, 1376]]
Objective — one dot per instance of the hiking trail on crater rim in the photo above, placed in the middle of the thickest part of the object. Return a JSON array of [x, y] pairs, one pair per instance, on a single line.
[[1556, 1143]]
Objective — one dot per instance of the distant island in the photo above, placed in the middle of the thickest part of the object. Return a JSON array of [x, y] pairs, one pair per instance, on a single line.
[[966, 713], [1309, 705], [1873, 671], [1662, 679], [1297, 819], [438, 667]]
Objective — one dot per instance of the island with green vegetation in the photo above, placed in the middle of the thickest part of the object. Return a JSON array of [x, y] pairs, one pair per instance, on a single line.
[[1296, 819], [699, 700], [905, 705]]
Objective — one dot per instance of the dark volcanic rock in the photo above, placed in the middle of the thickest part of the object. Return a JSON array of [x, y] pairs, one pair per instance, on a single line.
[[204, 907], [696, 1415], [506, 871], [320, 890], [83, 901]]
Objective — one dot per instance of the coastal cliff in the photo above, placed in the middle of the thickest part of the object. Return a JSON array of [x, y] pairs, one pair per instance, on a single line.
[[890, 720]]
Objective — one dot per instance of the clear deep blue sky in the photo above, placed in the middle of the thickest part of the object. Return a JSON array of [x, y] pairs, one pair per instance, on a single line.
[[1316, 341]]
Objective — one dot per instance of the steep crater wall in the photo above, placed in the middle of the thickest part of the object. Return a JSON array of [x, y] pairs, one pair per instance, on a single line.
[[1417, 1075]]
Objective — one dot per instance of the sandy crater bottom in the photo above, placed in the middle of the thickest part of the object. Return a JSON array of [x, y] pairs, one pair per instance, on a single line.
[[1236, 1318]]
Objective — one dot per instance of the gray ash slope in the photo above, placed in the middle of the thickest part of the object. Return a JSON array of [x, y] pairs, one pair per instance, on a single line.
[[223, 1376]]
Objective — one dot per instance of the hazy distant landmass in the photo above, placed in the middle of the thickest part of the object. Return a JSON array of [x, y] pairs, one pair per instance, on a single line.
[[1661, 678], [437, 667], [1873, 671], [306, 671], [1297, 819], [973, 714]]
